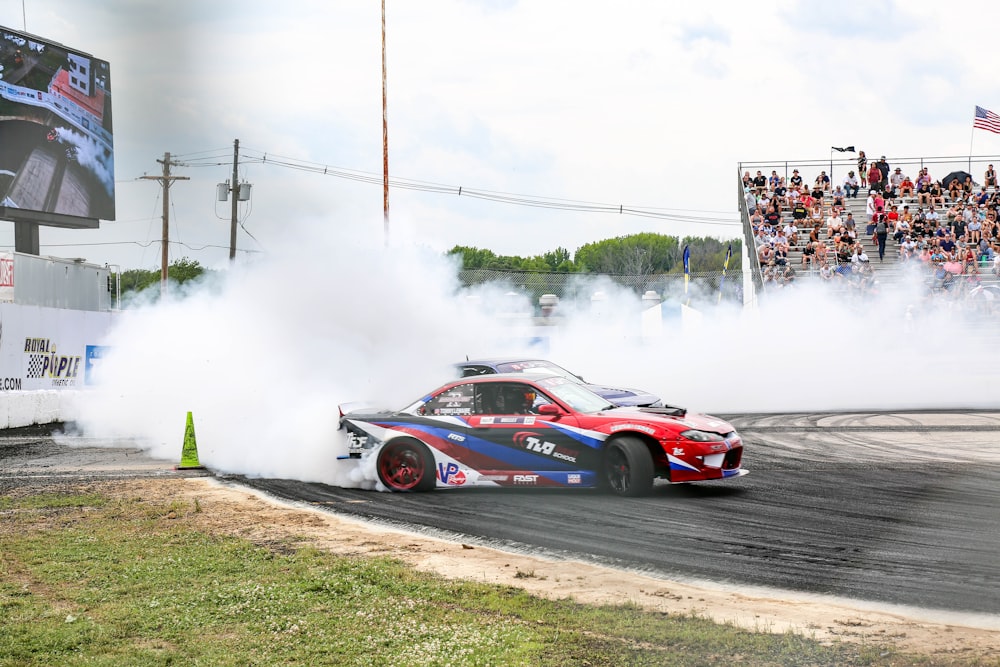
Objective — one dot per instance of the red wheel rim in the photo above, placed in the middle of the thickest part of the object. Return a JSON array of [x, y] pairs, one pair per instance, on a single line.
[[401, 467]]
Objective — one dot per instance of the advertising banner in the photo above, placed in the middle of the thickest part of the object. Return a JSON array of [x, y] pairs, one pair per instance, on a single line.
[[49, 348]]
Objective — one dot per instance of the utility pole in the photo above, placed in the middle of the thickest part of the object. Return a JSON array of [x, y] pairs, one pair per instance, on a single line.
[[166, 180], [240, 192], [233, 222], [385, 138]]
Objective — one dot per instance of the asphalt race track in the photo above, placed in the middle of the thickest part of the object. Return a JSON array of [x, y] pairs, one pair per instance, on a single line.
[[892, 508], [897, 508]]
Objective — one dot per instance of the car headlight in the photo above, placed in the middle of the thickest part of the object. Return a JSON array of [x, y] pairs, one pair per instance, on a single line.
[[702, 436]]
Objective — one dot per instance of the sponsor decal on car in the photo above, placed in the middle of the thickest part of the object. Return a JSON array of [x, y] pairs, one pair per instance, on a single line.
[[494, 478], [450, 474], [678, 451], [526, 479], [574, 478], [456, 437]]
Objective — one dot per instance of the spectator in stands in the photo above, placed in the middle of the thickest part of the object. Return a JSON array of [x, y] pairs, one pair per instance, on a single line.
[[863, 169], [881, 233], [759, 183], [756, 219], [923, 187], [763, 201], [780, 255], [838, 197], [808, 255], [780, 241], [954, 189], [906, 187], [990, 178], [822, 250], [937, 193], [892, 216], [795, 180], [908, 248], [751, 201], [780, 197], [822, 181], [851, 185], [817, 194], [883, 168], [870, 209], [919, 223], [825, 271], [765, 255], [772, 216], [834, 224], [858, 257], [900, 229], [968, 186], [932, 218], [773, 180], [816, 213], [747, 181], [875, 178], [974, 229], [896, 182], [791, 232], [947, 244], [983, 197], [849, 222], [799, 213]]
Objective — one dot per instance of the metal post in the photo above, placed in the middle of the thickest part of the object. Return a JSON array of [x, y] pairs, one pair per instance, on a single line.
[[385, 137], [235, 193], [165, 238]]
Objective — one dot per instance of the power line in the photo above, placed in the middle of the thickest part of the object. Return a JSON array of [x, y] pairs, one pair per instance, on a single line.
[[251, 156]]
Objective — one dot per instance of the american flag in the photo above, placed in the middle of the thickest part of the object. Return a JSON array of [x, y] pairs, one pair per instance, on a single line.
[[986, 120]]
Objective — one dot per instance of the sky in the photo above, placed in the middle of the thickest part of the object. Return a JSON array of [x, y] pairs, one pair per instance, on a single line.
[[648, 105]]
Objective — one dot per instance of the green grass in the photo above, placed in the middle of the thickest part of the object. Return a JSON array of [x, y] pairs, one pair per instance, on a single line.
[[90, 580]]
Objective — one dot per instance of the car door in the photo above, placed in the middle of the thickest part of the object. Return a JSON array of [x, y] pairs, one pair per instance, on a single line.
[[510, 436]]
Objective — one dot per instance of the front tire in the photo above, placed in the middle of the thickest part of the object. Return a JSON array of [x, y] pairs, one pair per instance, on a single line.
[[628, 467], [406, 465]]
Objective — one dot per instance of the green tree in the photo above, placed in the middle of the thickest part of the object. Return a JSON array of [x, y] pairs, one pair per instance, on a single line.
[[180, 271], [637, 254]]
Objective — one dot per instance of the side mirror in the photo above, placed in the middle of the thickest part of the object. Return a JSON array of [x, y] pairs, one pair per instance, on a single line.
[[549, 409]]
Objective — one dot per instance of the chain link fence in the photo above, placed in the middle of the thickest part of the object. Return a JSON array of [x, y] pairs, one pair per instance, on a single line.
[[702, 289]]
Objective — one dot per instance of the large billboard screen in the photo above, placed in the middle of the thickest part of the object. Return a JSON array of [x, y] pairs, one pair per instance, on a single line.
[[56, 147]]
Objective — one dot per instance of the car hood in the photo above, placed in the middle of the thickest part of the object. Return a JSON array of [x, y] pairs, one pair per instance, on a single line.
[[624, 397], [675, 416]]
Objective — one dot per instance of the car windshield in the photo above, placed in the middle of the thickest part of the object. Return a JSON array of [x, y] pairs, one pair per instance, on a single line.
[[536, 366], [574, 395]]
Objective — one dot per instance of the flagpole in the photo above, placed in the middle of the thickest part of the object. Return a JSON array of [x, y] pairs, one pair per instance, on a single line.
[[972, 135]]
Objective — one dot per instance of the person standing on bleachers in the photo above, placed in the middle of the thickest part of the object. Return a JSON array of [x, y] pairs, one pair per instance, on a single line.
[[875, 181], [881, 232], [863, 169], [883, 168], [990, 179]]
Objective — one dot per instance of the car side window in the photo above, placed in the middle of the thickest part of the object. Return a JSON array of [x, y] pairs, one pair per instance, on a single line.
[[459, 400], [508, 399]]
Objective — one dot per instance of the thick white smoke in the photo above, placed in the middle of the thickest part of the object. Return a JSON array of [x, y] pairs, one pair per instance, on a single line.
[[264, 355]]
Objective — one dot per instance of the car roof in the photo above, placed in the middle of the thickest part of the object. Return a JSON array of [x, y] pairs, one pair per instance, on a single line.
[[506, 377], [501, 360]]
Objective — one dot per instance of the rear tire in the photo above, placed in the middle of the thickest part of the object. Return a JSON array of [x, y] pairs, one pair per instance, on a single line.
[[406, 465], [628, 467]]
